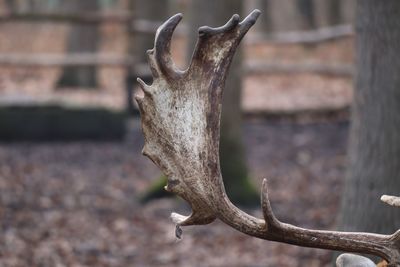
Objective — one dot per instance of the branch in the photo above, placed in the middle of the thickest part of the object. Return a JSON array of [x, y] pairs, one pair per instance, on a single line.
[[180, 115]]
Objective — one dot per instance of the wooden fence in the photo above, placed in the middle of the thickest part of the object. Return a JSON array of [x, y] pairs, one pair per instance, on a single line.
[[137, 26]]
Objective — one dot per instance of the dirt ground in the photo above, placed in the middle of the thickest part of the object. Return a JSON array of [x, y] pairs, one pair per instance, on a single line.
[[76, 204]]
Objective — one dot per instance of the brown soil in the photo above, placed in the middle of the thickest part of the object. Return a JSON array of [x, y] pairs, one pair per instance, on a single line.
[[75, 204]]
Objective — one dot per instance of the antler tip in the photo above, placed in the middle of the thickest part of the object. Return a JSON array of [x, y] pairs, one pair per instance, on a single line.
[[139, 99], [391, 200], [270, 219], [255, 14], [150, 52], [178, 218], [264, 192], [141, 82], [203, 30], [235, 18], [256, 11], [145, 87], [264, 187], [232, 23], [162, 45], [174, 20], [146, 151], [178, 15], [252, 17], [264, 182]]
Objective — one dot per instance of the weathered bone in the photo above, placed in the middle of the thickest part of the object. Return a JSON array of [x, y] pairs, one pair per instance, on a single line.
[[353, 260], [181, 121], [391, 200]]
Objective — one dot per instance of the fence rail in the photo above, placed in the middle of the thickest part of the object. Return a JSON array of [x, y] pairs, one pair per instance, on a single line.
[[76, 59], [304, 37], [137, 25], [149, 27], [295, 68], [64, 17], [142, 70]]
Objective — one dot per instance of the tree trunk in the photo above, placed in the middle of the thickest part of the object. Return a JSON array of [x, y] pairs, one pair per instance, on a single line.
[[374, 151], [82, 38], [139, 43], [347, 11], [266, 19], [233, 162], [306, 10], [334, 12], [155, 10], [11, 6]]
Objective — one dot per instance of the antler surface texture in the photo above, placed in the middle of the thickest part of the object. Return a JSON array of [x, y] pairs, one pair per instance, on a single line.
[[180, 114]]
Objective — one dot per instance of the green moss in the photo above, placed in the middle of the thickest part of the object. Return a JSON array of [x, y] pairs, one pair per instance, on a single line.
[[238, 185], [234, 172], [244, 193], [155, 191]]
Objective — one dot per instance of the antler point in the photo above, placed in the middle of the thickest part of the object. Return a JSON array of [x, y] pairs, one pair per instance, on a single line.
[[139, 98], [251, 18], [145, 87], [235, 17], [391, 200]]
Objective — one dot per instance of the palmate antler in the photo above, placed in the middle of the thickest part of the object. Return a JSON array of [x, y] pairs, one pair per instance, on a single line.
[[180, 115]]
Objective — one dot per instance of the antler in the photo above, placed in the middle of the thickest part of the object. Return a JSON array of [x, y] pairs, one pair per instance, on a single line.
[[181, 122]]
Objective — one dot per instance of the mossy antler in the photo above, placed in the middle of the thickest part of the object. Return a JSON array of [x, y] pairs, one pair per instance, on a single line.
[[180, 114]]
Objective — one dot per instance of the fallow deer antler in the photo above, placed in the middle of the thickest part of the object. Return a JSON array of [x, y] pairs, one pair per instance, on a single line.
[[180, 114]]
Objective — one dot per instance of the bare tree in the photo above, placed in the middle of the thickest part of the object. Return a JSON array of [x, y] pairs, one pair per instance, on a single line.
[[307, 11], [334, 8], [266, 20], [181, 121], [152, 11], [138, 42], [81, 38]]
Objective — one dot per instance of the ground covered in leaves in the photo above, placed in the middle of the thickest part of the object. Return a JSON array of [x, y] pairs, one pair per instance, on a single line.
[[76, 204]]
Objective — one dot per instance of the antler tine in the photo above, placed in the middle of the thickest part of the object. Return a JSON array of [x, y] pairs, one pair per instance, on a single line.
[[244, 26], [216, 47], [249, 21], [160, 56], [232, 23], [391, 200], [385, 246], [270, 220]]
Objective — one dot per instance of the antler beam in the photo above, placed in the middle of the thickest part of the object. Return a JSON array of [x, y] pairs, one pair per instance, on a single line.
[[180, 114]]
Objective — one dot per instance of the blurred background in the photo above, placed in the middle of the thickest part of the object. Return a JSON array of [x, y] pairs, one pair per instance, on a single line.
[[74, 187]]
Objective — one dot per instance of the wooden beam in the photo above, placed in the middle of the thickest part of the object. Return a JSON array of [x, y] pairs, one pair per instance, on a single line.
[[84, 18], [141, 70], [138, 25], [55, 60], [304, 37], [253, 68]]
